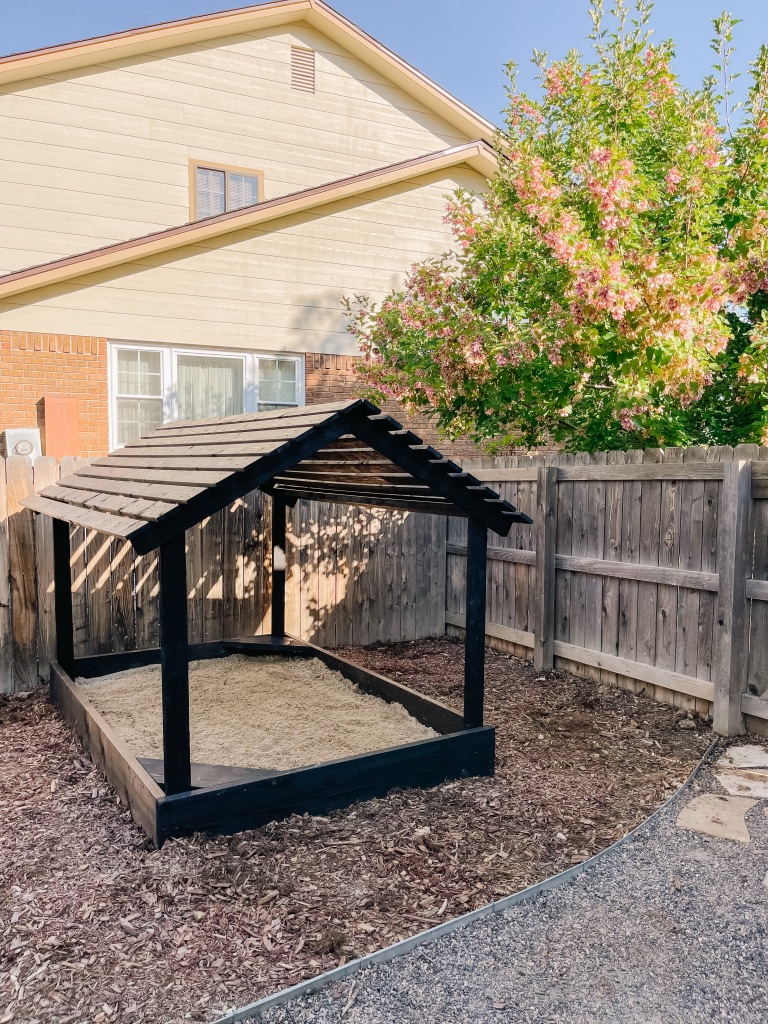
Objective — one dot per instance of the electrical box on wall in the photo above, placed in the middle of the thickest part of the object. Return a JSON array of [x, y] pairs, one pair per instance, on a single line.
[[23, 441]]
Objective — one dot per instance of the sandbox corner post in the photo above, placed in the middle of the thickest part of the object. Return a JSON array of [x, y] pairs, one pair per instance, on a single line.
[[62, 583], [174, 662], [474, 638], [278, 566], [731, 650], [546, 533]]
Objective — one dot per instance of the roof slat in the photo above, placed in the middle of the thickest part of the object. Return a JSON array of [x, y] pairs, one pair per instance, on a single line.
[[139, 489], [188, 477], [324, 410], [298, 416], [249, 433], [233, 464], [119, 504], [102, 522]]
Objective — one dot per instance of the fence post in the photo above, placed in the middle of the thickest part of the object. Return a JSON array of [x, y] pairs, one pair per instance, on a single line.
[[730, 659], [546, 533]]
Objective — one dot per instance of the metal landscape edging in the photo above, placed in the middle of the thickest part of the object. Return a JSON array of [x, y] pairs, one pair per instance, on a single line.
[[404, 946]]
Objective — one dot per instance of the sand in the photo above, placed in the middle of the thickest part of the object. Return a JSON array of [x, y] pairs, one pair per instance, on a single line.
[[256, 713]]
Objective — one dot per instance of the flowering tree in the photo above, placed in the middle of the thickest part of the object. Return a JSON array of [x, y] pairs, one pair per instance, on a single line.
[[610, 289]]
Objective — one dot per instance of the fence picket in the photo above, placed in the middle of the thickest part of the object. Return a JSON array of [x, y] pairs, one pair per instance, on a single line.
[[21, 547], [6, 646]]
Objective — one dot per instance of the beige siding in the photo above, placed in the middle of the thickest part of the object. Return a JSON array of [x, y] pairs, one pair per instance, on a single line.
[[102, 154], [276, 288]]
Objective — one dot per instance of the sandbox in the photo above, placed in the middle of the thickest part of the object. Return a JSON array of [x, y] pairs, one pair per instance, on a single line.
[[269, 713]]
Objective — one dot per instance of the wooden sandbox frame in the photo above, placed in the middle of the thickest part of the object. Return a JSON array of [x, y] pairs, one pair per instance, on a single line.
[[290, 455], [225, 799]]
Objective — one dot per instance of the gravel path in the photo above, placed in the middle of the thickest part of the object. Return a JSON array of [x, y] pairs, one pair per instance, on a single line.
[[669, 929]]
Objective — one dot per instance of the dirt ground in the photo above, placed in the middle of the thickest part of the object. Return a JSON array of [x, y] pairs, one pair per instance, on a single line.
[[96, 926]]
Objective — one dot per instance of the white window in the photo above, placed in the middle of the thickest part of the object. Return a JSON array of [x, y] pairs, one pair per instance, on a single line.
[[150, 385], [217, 190]]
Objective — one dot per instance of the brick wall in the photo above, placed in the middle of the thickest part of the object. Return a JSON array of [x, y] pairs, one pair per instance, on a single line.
[[32, 365]]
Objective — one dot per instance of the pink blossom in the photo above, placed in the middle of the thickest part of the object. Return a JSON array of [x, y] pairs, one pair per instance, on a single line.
[[673, 179]]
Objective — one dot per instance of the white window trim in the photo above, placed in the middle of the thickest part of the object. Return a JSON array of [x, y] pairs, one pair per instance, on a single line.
[[168, 358]]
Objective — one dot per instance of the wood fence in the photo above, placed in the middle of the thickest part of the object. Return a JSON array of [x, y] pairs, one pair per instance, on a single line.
[[645, 568], [353, 576]]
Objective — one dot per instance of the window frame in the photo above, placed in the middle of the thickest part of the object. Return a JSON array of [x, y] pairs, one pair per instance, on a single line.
[[169, 377], [227, 169]]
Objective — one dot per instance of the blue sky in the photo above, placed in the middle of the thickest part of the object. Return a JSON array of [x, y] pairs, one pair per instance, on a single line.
[[461, 45]]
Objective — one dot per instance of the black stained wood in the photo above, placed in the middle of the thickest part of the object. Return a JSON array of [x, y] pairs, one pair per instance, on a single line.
[[325, 787], [474, 640], [62, 581], [424, 709], [263, 448], [205, 776], [103, 664], [396, 446], [278, 574], [432, 507], [174, 661], [138, 791], [270, 645]]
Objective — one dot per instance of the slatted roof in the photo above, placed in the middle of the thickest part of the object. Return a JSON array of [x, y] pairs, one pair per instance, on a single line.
[[345, 452]]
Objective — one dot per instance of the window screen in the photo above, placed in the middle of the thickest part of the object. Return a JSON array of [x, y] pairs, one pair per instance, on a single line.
[[277, 383], [139, 393], [210, 192], [218, 190], [242, 190]]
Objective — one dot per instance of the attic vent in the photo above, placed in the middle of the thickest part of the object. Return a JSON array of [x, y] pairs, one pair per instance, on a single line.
[[302, 69]]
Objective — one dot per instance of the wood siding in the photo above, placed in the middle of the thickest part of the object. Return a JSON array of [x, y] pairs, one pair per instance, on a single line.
[[101, 154], [275, 288]]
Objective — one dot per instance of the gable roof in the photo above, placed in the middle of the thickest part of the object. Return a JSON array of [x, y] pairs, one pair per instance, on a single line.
[[347, 452], [478, 155], [205, 28]]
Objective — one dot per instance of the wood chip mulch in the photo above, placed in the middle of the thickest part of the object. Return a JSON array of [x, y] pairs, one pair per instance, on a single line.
[[96, 926]]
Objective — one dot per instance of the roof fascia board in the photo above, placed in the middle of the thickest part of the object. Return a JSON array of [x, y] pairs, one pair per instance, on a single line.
[[479, 156], [148, 40], [391, 66], [204, 28]]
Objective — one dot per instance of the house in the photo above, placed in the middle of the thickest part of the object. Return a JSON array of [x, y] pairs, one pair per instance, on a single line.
[[184, 206]]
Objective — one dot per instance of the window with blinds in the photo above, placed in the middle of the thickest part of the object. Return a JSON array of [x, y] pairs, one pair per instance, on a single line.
[[152, 384], [223, 189], [302, 69]]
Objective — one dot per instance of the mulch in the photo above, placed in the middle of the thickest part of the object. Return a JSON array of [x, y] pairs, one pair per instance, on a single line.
[[96, 926]]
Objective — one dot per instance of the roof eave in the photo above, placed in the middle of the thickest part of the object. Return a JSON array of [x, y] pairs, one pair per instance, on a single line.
[[478, 155]]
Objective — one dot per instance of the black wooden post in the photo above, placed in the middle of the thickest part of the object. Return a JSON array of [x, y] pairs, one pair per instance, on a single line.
[[174, 660], [278, 567], [474, 640], [62, 580]]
